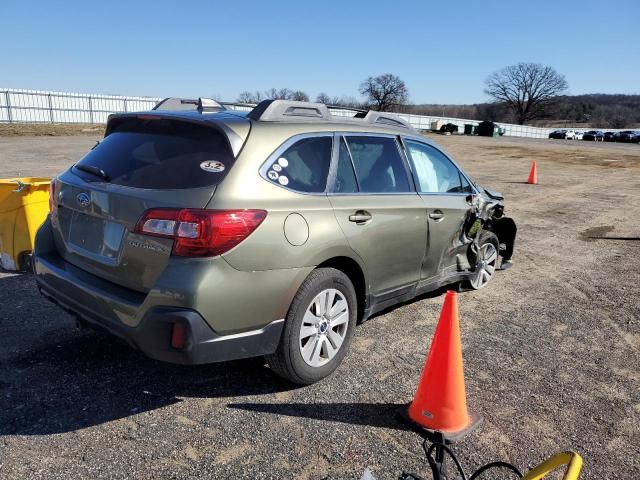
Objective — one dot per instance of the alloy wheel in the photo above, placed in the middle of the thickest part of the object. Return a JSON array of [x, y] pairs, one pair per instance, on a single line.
[[485, 265], [324, 327]]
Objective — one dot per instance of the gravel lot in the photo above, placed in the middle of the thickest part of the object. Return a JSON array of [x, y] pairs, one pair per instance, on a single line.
[[551, 352]]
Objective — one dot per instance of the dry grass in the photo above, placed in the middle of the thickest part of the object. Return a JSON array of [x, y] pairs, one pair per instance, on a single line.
[[48, 129]]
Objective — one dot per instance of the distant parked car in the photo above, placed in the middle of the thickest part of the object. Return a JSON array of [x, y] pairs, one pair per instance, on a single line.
[[593, 135], [626, 136], [570, 135], [558, 134], [636, 138], [578, 135], [610, 136]]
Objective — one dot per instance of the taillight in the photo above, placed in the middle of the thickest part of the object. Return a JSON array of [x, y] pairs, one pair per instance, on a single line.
[[53, 203], [200, 233]]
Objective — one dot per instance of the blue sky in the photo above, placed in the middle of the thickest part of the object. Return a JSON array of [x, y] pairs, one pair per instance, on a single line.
[[442, 50]]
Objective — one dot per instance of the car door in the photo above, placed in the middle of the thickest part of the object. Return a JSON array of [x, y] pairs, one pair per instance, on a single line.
[[445, 192], [378, 210]]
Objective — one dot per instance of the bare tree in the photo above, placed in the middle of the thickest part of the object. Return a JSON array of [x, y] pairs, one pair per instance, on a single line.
[[323, 98], [529, 89], [384, 91], [248, 97], [272, 93], [286, 94], [300, 96]]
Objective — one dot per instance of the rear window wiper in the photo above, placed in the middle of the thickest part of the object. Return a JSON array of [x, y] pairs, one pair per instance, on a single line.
[[98, 172]]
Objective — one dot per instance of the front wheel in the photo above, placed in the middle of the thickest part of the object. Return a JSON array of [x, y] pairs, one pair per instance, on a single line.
[[318, 328], [486, 260]]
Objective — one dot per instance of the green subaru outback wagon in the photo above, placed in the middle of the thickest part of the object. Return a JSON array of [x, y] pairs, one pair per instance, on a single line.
[[207, 235]]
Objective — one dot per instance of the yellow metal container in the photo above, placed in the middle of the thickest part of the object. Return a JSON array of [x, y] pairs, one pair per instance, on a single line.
[[24, 205]]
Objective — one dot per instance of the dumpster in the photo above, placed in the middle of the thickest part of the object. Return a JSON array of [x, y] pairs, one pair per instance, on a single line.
[[24, 205], [470, 129], [488, 129]]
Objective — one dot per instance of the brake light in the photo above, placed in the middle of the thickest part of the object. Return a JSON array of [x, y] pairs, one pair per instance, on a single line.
[[53, 204], [200, 233]]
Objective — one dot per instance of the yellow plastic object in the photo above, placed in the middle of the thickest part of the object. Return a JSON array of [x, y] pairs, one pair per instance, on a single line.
[[24, 205], [572, 460]]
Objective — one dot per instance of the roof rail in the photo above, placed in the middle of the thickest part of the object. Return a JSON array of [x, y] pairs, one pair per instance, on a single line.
[[283, 110], [291, 110], [201, 104], [384, 118]]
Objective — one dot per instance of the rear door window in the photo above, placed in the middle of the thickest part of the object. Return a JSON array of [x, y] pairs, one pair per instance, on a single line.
[[378, 164], [304, 166], [160, 154]]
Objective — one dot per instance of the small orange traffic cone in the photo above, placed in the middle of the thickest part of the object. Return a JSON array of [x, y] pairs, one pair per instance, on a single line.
[[533, 174], [440, 403]]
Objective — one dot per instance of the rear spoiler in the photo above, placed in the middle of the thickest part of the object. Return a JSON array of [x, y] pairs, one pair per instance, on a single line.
[[181, 104], [234, 136]]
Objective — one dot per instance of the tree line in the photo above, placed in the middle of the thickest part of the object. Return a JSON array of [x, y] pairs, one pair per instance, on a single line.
[[598, 110], [528, 93], [383, 93]]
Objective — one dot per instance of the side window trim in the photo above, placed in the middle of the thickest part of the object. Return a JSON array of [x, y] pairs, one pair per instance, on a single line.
[[460, 172], [283, 147], [403, 157], [346, 144], [333, 170]]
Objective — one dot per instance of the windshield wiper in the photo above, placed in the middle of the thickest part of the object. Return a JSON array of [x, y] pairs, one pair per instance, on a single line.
[[98, 172]]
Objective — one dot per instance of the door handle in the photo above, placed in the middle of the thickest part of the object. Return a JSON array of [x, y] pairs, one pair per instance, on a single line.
[[436, 215], [360, 217]]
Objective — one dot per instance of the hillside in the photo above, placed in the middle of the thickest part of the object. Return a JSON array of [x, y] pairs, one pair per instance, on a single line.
[[595, 109]]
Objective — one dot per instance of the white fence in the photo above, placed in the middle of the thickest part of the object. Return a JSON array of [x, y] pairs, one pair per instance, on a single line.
[[35, 106]]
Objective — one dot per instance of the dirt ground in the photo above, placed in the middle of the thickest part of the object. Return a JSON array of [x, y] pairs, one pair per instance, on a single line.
[[551, 350], [49, 129]]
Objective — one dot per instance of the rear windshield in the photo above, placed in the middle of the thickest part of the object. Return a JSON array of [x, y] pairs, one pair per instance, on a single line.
[[159, 154]]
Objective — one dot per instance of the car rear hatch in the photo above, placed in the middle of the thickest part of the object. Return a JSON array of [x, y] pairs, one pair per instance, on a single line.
[[144, 162]]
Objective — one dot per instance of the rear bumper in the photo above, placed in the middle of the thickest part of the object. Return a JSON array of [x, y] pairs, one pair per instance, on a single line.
[[152, 335], [143, 324]]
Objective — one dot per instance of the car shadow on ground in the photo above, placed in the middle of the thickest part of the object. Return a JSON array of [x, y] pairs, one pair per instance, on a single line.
[[385, 415], [55, 378], [91, 378]]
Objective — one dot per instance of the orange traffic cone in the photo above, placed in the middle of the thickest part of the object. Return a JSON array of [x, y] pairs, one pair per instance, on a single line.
[[440, 403], [533, 174]]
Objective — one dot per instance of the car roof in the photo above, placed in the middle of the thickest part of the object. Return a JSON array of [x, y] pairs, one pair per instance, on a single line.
[[289, 114], [236, 125]]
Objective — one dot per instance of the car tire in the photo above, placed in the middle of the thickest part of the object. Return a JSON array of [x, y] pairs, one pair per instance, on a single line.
[[305, 358], [485, 260]]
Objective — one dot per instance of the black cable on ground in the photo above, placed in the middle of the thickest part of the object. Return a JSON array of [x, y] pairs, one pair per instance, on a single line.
[[488, 466], [433, 463], [435, 466]]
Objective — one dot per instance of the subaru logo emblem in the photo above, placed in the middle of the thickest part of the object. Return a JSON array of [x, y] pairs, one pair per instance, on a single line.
[[83, 199]]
